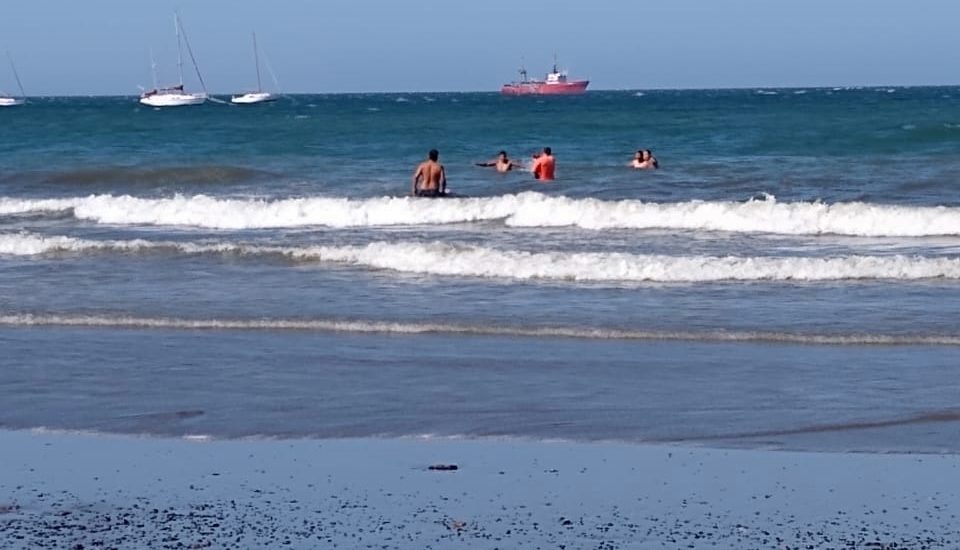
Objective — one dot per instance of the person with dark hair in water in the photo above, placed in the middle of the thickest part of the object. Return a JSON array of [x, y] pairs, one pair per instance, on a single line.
[[544, 165], [502, 163], [430, 178], [644, 160]]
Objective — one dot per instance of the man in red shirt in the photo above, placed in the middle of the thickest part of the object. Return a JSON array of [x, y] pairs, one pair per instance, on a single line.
[[545, 165]]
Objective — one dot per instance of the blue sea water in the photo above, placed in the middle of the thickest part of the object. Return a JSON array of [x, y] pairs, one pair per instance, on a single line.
[[789, 277]]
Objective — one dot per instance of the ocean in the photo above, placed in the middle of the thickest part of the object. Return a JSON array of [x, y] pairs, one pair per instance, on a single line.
[[789, 278]]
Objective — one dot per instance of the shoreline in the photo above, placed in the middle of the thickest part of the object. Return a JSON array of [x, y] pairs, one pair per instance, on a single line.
[[133, 492]]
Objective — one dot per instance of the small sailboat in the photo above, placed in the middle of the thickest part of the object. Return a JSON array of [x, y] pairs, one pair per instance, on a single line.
[[258, 96], [9, 100], [175, 96]]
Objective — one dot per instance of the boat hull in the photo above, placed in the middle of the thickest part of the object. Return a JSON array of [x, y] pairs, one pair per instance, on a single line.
[[576, 87], [173, 100], [252, 98], [10, 101]]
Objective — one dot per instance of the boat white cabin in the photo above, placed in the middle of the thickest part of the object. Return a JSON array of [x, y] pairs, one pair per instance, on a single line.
[[557, 77], [250, 98], [171, 97]]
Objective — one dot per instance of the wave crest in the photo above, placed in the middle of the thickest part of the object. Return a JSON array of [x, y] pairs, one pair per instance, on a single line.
[[527, 209], [389, 327], [478, 261]]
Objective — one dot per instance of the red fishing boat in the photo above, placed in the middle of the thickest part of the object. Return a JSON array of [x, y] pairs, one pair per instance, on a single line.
[[556, 83]]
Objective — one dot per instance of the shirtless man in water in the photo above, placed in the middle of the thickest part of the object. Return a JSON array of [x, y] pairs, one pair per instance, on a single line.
[[502, 163], [644, 160], [430, 179]]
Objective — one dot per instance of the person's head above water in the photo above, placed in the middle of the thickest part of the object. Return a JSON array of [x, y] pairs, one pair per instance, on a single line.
[[639, 155], [433, 155], [502, 155], [547, 151]]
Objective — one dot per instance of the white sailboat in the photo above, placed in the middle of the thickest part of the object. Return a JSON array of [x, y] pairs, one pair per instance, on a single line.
[[9, 100], [258, 96], [175, 96]]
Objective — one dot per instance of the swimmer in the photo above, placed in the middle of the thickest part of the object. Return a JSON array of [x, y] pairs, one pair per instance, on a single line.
[[502, 163], [430, 178], [544, 165], [644, 160]]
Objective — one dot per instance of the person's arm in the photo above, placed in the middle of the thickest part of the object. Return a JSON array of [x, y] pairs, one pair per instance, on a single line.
[[486, 164], [443, 180], [416, 178]]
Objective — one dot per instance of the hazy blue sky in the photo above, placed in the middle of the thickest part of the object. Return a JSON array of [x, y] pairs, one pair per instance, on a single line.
[[102, 46]]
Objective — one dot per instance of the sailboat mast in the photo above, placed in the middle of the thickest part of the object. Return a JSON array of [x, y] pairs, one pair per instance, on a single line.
[[16, 75], [176, 28], [273, 75], [256, 60], [193, 59], [153, 70]]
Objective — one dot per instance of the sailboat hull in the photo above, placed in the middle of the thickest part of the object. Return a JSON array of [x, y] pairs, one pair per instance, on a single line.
[[253, 97], [173, 100], [10, 101]]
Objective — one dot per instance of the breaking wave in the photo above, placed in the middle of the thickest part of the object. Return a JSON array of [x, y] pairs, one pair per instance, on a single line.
[[479, 261], [388, 327], [527, 209]]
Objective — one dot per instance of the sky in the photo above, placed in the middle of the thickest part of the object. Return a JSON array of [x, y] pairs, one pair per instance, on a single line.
[[102, 47]]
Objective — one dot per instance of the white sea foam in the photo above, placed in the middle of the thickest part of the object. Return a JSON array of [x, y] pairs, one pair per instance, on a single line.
[[388, 327], [29, 245], [475, 261], [520, 210], [479, 261]]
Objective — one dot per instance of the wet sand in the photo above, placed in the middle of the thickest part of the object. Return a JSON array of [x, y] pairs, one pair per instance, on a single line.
[[91, 491]]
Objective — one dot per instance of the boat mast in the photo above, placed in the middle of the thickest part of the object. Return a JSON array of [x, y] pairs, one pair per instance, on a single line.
[[256, 60], [16, 76], [153, 69], [186, 40], [176, 29], [273, 75]]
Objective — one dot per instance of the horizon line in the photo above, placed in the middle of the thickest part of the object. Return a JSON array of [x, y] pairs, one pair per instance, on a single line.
[[497, 91]]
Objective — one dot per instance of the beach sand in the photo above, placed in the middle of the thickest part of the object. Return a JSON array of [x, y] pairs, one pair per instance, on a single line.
[[96, 491]]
